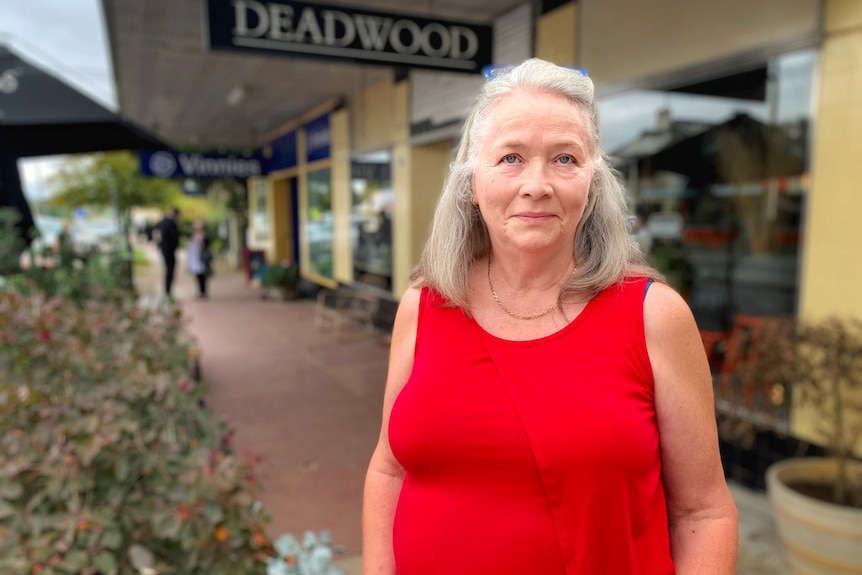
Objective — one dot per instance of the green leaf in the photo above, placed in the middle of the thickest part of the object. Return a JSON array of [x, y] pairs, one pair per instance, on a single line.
[[112, 539], [166, 524], [106, 563], [213, 512], [121, 469], [74, 562], [90, 451], [12, 490], [6, 510]]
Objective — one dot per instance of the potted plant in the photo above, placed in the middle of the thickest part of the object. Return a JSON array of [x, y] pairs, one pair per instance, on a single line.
[[283, 278], [817, 501]]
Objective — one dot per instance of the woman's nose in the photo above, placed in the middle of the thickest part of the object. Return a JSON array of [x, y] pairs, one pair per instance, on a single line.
[[536, 181]]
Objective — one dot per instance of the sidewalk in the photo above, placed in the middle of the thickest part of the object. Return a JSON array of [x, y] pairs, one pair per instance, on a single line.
[[311, 406]]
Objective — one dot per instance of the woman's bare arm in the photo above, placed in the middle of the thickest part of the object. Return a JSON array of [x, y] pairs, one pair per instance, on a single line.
[[383, 480], [701, 511]]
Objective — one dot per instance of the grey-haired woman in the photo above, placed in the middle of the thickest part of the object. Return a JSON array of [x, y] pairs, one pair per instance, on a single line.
[[549, 404]]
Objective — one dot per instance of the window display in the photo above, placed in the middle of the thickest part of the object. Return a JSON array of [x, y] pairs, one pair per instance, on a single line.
[[371, 219], [318, 223], [260, 222], [717, 176]]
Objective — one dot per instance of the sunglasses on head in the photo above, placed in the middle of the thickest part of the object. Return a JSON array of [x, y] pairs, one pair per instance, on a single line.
[[490, 72]]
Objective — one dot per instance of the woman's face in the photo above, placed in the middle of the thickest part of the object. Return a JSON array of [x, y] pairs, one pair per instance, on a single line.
[[533, 171]]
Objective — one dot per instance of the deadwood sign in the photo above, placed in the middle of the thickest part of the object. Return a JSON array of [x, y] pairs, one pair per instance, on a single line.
[[314, 30]]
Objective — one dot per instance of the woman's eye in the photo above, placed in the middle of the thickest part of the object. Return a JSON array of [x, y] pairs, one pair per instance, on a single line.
[[510, 159], [566, 160]]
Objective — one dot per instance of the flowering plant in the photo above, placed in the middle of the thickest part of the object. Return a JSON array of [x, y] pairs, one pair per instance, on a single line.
[[109, 465]]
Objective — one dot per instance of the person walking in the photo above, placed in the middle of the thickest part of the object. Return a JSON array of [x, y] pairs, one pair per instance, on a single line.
[[168, 242], [548, 407], [199, 257]]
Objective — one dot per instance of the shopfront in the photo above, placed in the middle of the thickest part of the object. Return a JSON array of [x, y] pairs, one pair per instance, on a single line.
[[712, 129], [735, 140], [717, 174]]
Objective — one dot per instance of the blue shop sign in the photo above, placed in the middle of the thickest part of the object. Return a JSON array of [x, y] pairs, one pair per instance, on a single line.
[[281, 153], [318, 139], [169, 164]]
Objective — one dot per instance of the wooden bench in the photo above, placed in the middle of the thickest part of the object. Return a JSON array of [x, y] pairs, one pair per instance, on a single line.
[[346, 312]]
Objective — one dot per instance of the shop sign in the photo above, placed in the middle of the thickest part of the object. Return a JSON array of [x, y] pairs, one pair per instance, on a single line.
[[317, 139], [168, 164], [281, 153], [343, 33]]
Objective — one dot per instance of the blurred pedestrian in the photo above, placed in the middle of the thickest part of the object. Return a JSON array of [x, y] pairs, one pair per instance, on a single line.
[[169, 241], [64, 246], [199, 257]]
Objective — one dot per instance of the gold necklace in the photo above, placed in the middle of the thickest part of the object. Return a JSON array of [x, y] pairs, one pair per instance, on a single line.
[[505, 309]]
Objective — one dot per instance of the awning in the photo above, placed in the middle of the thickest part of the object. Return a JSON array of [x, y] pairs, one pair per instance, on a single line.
[[41, 115]]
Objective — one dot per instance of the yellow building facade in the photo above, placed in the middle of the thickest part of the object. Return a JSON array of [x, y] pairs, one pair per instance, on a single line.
[[379, 120], [771, 237]]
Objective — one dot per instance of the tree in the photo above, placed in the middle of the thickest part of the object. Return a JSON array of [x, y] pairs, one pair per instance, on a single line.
[[111, 180]]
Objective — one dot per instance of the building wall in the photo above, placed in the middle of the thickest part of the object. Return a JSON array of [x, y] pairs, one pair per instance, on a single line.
[[372, 119], [832, 274], [402, 245], [280, 216], [430, 166], [624, 42], [557, 35], [339, 126]]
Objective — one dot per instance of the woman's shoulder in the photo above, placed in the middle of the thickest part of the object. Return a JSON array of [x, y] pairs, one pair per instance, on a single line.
[[665, 311]]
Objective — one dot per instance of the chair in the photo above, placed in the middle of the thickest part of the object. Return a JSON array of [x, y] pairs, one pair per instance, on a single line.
[[345, 312]]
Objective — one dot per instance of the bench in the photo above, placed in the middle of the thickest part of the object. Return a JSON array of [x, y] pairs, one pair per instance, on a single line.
[[346, 312]]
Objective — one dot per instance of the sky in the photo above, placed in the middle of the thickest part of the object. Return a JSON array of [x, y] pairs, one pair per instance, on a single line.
[[66, 38]]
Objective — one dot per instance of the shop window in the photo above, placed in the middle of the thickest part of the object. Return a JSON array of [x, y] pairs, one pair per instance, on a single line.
[[260, 222], [371, 219], [717, 175], [318, 223]]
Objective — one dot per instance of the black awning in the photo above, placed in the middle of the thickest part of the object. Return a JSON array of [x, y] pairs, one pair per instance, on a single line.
[[41, 115], [76, 138]]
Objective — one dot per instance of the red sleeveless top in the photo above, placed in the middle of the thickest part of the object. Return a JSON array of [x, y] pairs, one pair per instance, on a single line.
[[532, 457]]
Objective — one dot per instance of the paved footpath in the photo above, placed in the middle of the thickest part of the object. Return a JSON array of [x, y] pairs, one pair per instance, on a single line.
[[311, 407]]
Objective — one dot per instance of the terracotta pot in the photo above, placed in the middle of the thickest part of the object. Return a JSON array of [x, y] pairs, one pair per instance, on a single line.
[[819, 538]]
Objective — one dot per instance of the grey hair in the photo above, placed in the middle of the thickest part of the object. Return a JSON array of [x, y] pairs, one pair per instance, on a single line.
[[603, 250]]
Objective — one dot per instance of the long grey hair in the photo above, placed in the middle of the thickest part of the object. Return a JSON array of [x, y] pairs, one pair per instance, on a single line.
[[603, 250]]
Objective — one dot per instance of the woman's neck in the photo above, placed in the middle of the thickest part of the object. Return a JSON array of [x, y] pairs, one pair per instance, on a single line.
[[530, 273]]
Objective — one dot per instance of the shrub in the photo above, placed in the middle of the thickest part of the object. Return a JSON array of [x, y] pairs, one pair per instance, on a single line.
[[282, 275], [819, 365], [81, 278], [108, 463]]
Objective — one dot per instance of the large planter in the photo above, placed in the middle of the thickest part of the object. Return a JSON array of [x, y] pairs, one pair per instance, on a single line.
[[819, 538]]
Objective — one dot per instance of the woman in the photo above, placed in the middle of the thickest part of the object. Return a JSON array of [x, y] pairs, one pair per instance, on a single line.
[[199, 257], [548, 406]]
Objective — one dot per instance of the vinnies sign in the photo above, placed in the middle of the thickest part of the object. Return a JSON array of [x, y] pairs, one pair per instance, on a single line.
[[343, 33]]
